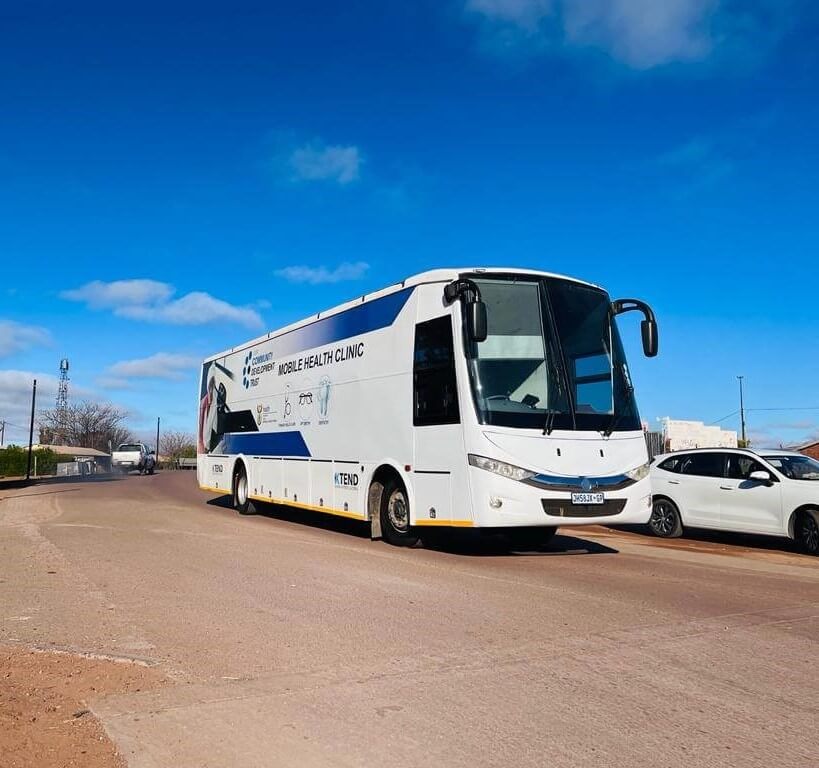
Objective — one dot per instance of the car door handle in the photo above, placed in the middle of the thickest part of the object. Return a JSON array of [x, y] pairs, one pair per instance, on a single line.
[[726, 488], [673, 482]]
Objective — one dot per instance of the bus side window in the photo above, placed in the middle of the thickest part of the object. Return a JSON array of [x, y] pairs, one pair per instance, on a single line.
[[435, 393]]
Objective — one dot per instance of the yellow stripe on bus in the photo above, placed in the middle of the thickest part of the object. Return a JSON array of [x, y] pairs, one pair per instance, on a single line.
[[215, 490], [337, 512], [310, 507]]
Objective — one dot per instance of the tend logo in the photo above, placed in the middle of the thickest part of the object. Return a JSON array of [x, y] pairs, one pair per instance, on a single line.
[[345, 479]]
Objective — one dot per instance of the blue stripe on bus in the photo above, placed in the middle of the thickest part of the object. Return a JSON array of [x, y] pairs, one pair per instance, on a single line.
[[364, 318], [265, 444]]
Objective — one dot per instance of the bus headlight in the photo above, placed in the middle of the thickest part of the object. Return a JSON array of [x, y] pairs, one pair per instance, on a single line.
[[500, 468], [638, 473]]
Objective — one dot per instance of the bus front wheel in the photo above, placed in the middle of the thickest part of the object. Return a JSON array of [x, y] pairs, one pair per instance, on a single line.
[[242, 502], [395, 516]]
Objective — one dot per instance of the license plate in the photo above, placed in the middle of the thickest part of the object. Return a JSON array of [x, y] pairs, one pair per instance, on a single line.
[[588, 498]]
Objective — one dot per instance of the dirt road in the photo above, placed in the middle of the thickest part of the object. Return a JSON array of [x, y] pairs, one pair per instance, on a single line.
[[291, 644]]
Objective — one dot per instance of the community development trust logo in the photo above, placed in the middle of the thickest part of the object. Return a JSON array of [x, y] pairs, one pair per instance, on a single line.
[[255, 366], [246, 370]]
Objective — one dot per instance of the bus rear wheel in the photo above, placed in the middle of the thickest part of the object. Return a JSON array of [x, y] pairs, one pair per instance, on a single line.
[[242, 502], [395, 516]]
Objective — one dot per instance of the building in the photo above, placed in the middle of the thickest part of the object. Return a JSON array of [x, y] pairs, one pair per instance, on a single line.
[[679, 435], [99, 460], [809, 449]]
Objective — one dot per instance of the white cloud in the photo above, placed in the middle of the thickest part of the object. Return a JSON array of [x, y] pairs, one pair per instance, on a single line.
[[15, 401], [16, 337], [162, 365], [113, 382], [152, 301], [194, 308], [640, 33], [15, 394], [316, 275], [316, 162], [100, 295]]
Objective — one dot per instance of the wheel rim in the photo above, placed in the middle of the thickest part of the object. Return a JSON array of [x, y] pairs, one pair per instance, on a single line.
[[398, 512], [241, 490], [810, 532], [663, 518]]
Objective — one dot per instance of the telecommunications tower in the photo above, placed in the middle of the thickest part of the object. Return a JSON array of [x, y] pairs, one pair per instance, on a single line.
[[62, 403]]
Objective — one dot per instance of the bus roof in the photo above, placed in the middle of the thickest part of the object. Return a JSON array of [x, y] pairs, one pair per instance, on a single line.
[[422, 278]]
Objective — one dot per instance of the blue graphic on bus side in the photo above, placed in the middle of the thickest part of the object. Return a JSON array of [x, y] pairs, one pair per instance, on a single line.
[[265, 444]]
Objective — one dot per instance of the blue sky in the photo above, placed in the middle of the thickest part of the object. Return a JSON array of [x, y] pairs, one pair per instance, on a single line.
[[241, 167]]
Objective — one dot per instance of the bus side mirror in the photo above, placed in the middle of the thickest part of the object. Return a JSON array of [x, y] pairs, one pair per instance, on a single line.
[[476, 320], [648, 328]]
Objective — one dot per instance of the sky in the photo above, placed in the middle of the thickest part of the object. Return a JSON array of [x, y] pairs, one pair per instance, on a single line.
[[176, 178]]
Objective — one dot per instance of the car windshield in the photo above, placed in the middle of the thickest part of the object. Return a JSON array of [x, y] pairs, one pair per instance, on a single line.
[[129, 447], [552, 357], [796, 467]]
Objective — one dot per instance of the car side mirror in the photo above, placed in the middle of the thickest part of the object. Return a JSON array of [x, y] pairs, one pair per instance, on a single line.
[[761, 476], [648, 329], [476, 320]]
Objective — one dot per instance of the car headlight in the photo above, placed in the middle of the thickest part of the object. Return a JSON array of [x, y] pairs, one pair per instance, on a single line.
[[500, 468], [638, 473]]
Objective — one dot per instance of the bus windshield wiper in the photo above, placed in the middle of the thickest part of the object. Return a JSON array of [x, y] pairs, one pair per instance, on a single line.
[[614, 420], [616, 417], [549, 426]]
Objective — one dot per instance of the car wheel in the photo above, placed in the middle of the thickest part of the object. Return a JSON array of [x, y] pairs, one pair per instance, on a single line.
[[242, 502], [665, 520], [807, 531], [395, 516]]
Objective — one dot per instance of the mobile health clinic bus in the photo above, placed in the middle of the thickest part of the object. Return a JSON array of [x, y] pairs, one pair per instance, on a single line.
[[483, 398]]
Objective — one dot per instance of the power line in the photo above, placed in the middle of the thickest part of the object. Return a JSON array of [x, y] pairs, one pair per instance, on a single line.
[[733, 413], [16, 426], [757, 410], [809, 408]]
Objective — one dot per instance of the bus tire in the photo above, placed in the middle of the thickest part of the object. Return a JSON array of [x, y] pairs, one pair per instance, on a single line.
[[395, 515], [242, 502]]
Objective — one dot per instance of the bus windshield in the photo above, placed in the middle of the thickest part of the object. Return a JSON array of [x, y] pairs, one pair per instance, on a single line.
[[552, 358]]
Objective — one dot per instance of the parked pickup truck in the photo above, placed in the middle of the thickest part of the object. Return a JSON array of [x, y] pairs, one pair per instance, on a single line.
[[130, 456]]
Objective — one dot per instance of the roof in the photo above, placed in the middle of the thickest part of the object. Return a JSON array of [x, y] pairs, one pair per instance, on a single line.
[[809, 444], [751, 451], [422, 278], [72, 450]]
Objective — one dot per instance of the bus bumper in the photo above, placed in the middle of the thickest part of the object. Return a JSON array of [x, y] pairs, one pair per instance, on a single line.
[[498, 502]]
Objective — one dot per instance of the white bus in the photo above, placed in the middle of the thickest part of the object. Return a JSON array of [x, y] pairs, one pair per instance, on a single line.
[[484, 398]]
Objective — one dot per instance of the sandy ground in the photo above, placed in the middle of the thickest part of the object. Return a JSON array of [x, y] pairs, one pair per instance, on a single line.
[[45, 718], [294, 640]]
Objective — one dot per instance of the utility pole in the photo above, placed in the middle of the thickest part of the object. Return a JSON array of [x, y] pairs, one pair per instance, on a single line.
[[156, 447], [31, 429], [742, 412], [2, 432]]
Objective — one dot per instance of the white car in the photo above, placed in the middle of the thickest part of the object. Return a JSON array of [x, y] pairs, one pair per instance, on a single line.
[[770, 492]]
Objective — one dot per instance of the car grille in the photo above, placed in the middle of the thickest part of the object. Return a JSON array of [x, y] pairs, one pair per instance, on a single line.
[[608, 508]]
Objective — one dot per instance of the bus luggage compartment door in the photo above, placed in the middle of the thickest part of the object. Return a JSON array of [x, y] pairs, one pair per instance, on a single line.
[[433, 497]]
